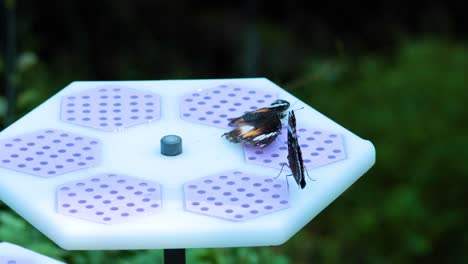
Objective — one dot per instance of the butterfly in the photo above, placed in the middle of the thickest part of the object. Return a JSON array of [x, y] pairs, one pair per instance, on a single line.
[[259, 127], [296, 164]]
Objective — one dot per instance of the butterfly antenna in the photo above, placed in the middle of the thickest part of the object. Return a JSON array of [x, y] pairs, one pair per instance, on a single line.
[[279, 140], [291, 107], [298, 109], [198, 140], [294, 103]]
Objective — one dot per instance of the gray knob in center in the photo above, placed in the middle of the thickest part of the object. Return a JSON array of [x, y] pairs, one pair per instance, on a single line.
[[171, 145]]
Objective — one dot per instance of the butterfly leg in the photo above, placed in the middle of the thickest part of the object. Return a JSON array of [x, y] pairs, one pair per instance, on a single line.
[[282, 166], [307, 172]]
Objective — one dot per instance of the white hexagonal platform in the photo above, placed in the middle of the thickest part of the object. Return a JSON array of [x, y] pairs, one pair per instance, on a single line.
[[14, 254], [135, 151]]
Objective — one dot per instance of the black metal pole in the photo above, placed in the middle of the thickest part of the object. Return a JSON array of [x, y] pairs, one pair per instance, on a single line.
[[174, 256]]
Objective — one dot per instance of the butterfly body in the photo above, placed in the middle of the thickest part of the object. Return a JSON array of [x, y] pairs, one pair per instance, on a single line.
[[296, 164], [259, 127]]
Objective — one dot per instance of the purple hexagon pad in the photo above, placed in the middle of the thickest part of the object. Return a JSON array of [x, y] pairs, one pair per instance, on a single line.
[[50, 152], [110, 109], [318, 148], [236, 195], [213, 107], [15, 260], [109, 198]]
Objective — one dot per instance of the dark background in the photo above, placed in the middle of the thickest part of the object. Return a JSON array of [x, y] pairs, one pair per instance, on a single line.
[[393, 72]]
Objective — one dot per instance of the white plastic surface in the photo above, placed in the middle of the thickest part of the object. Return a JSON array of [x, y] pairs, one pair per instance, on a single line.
[[9, 252], [135, 151]]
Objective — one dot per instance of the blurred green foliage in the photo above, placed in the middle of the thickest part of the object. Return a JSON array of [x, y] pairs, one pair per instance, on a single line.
[[411, 206], [410, 102]]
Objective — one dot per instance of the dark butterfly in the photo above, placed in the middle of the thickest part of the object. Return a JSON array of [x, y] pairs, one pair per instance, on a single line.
[[259, 127], [296, 164]]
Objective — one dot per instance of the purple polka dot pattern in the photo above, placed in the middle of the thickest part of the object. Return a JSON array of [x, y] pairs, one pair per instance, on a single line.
[[110, 109], [318, 148], [109, 198], [213, 107], [236, 196], [48, 153], [15, 260]]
